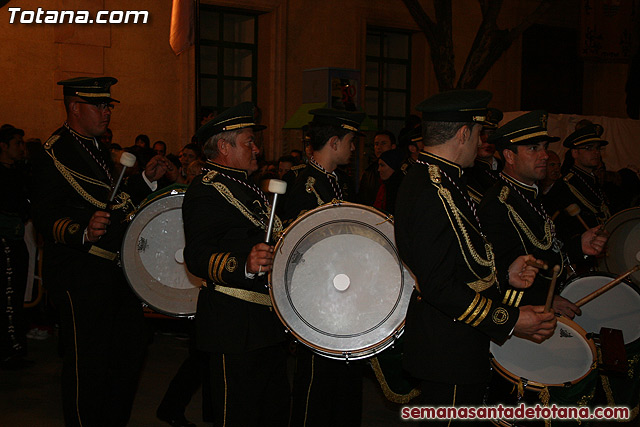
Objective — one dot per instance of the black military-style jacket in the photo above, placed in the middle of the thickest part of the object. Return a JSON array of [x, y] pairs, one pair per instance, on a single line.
[[582, 188], [480, 177], [457, 307], [72, 180], [224, 216], [308, 186], [516, 223]]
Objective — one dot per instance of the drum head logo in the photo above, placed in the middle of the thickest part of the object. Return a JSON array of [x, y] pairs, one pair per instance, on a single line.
[[500, 316], [142, 244], [565, 333]]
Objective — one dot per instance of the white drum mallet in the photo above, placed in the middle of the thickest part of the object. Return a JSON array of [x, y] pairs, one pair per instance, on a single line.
[[276, 187], [127, 160]]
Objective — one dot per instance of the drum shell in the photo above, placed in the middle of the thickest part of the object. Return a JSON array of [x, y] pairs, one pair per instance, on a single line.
[[150, 252], [331, 238]]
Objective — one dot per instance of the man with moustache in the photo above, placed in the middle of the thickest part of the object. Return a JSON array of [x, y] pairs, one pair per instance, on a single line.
[[101, 321], [456, 307], [325, 391], [225, 220], [515, 220]]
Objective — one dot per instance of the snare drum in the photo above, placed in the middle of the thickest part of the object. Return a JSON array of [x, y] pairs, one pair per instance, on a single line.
[[152, 257], [338, 283], [623, 246], [560, 370], [618, 308]]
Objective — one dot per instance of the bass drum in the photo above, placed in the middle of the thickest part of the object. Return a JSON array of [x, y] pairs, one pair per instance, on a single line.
[[338, 283], [623, 247], [152, 255]]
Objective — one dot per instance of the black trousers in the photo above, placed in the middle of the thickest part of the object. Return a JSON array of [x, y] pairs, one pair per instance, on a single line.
[[250, 389], [193, 373], [437, 394], [104, 343], [14, 266], [326, 392]]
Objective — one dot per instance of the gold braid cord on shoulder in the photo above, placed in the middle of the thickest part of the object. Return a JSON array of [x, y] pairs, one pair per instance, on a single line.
[[228, 195], [483, 282], [604, 209], [540, 244], [70, 175]]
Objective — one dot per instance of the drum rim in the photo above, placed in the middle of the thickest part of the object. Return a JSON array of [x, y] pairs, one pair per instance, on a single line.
[[125, 260], [613, 223], [603, 274], [360, 353], [537, 386]]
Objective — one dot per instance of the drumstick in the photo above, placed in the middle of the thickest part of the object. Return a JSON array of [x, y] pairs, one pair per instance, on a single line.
[[276, 187], [538, 264], [574, 210], [606, 287], [127, 160], [552, 288]]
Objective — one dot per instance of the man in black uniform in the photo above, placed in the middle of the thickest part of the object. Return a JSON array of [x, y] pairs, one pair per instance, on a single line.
[[225, 219], [102, 326], [515, 220], [580, 185], [484, 172], [325, 391], [456, 307]]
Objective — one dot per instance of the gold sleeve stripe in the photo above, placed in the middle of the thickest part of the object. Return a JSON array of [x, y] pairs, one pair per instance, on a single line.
[[221, 267], [475, 313], [59, 228], [513, 296], [471, 306], [212, 265], [506, 296], [483, 315], [214, 272], [520, 294], [56, 226]]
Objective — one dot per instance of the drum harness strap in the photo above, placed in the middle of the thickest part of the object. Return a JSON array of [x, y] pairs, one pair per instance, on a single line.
[[243, 294]]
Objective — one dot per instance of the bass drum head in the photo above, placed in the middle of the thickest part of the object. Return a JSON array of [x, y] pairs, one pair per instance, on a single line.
[[566, 357], [152, 257], [338, 283], [618, 308], [623, 246]]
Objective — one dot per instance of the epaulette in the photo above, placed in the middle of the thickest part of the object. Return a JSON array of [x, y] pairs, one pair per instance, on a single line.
[[568, 177], [52, 140], [209, 176], [300, 166], [404, 167], [504, 193], [434, 174]]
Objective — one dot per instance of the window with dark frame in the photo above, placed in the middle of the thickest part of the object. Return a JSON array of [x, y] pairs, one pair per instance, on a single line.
[[388, 77], [227, 58]]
